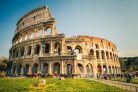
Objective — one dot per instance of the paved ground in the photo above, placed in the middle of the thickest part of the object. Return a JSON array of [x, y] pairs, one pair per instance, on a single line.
[[129, 86]]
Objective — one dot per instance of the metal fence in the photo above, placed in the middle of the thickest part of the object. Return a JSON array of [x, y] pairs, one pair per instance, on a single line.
[[126, 86]]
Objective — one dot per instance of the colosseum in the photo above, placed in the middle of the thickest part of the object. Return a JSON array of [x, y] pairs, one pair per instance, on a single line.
[[37, 47]]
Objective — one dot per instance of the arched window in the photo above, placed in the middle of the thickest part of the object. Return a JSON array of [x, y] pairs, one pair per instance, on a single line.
[[13, 53], [78, 49], [80, 66], [47, 48], [32, 35], [37, 49], [99, 68], [29, 50], [57, 47], [103, 54], [69, 69], [19, 69], [96, 46], [17, 52], [26, 69], [70, 52], [45, 68], [56, 68], [111, 56], [97, 54], [89, 69], [105, 69], [91, 52], [35, 68], [48, 31], [40, 33], [22, 51], [107, 54]]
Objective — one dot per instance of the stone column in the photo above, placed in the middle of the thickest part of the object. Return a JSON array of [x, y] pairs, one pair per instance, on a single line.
[[74, 66], [12, 70], [16, 71], [32, 50], [25, 51], [49, 69], [95, 70], [62, 68], [35, 33], [42, 66], [19, 54], [62, 46], [41, 50], [30, 70], [22, 70], [105, 58], [100, 54], [51, 47], [43, 33]]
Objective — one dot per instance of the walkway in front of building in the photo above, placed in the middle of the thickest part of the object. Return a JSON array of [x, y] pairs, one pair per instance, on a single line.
[[128, 86]]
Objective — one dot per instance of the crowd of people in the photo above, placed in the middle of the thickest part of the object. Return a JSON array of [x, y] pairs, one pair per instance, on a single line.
[[127, 76]]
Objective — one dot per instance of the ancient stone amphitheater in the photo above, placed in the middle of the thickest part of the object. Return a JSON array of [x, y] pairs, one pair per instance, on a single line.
[[37, 47]]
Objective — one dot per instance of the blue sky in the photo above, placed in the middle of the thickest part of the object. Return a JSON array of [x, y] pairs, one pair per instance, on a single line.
[[114, 20]]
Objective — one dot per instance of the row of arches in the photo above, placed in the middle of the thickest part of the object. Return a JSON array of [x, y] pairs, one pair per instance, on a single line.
[[35, 34], [104, 54], [99, 53], [100, 69], [29, 49], [56, 68]]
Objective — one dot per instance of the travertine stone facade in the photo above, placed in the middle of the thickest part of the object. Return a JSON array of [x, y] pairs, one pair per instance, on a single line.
[[37, 47]]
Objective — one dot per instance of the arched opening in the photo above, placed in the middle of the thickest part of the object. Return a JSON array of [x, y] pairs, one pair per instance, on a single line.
[[40, 33], [91, 52], [19, 69], [47, 48], [22, 51], [97, 54], [17, 52], [25, 38], [13, 53], [104, 68], [14, 69], [70, 52], [111, 56], [115, 57], [81, 71], [69, 70], [35, 68], [107, 54], [45, 68], [29, 50], [99, 69], [96, 46], [78, 49], [89, 70], [48, 31], [57, 48], [26, 69], [103, 54], [56, 68], [32, 35], [37, 49]]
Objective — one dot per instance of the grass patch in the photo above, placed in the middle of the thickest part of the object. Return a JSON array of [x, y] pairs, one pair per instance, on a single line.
[[55, 85]]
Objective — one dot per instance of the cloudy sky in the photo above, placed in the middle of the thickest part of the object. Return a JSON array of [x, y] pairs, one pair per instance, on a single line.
[[115, 20]]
